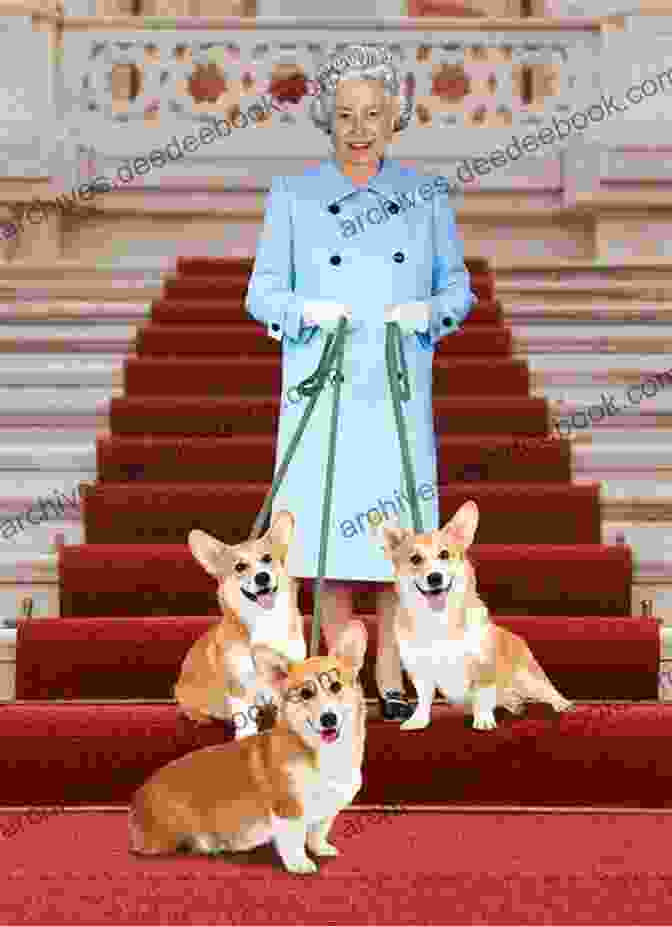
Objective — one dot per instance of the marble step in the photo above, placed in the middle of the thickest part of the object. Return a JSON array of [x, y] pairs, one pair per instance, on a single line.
[[59, 311], [71, 372], [48, 338]]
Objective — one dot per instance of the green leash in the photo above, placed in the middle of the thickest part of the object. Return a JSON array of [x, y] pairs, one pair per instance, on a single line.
[[397, 374], [331, 362]]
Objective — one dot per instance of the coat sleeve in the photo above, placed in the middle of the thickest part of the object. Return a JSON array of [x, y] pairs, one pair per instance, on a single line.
[[451, 299], [270, 295]]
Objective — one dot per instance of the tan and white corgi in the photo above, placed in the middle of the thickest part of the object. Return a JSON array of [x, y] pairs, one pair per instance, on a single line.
[[286, 785], [446, 640], [258, 602]]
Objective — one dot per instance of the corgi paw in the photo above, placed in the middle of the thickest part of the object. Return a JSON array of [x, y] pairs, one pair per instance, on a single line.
[[303, 866], [324, 849], [484, 721], [415, 723]]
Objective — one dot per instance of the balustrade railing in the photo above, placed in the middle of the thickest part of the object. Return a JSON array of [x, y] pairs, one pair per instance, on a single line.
[[128, 86]]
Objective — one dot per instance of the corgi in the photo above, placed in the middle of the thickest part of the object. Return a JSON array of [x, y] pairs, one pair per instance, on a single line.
[[446, 640], [285, 785], [259, 606]]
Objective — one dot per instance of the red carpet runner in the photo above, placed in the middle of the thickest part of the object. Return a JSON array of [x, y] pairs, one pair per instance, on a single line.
[[433, 869], [191, 445]]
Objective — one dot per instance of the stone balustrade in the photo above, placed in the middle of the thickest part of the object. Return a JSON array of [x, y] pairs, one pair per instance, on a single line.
[[129, 85], [85, 95]]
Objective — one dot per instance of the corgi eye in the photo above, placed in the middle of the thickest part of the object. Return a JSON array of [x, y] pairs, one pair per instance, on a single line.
[[240, 567], [416, 559], [267, 558], [307, 693], [335, 687], [444, 555]]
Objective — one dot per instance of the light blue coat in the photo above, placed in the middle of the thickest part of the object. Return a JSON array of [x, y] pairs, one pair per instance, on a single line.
[[326, 239]]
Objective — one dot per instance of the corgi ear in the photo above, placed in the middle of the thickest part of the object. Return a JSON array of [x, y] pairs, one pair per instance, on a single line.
[[281, 532], [389, 535], [207, 550], [272, 667], [350, 645], [462, 526]]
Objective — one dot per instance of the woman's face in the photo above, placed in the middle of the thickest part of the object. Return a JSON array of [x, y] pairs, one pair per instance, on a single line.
[[363, 123]]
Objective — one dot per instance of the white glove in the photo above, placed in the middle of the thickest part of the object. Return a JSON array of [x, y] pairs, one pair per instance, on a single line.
[[325, 313], [412, 317]]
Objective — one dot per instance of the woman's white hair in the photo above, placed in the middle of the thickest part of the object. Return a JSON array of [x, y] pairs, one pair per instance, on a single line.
[[359, 62]]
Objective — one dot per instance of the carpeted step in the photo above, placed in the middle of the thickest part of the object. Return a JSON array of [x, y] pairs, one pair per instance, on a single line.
[[429, 868], [482, 284], [164, 513], [214, 266], [599, 755], [250, 458], [244, 415], [221, 376], [140, 658], [137, 579], [215, 311], [251, 338], [224, 266]]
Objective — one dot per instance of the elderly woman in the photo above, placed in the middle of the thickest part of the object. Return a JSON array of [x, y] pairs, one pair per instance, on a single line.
[[361, 237]]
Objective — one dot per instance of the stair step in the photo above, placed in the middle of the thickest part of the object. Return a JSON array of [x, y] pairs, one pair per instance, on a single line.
[[62, 401], [619, 347], [66, 312], [80, 658], [212, 376], [77, 372], [211, 266], [593, 744], [226, 266], [165, 513], [251, 338], [210, 416], [179, 311], [250, 458], [540, 579]]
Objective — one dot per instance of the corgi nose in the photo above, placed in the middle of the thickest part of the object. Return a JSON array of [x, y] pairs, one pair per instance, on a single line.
[[434, 579], [328, 719], [263, 579]]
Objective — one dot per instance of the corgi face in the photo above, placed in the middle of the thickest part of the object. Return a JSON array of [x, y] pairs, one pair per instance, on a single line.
[[252, 576], [432, 570], [321, 699]]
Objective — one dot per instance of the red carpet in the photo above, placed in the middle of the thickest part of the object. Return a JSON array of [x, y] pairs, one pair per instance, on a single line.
[[261, 376], [131, 579], [250, 457], [608, 755], [586, 658], [508, 869], [191, 445], [209, 311], [249, 338], [210, 415], [164, 513], [205, 455]]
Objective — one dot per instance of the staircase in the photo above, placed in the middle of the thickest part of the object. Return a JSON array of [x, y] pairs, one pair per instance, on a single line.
[[191, 445]]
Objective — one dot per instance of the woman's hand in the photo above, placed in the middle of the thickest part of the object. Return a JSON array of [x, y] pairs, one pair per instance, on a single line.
[[326, 314], [412, 317]]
